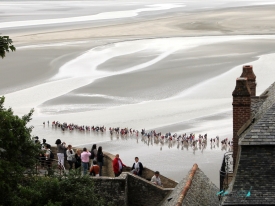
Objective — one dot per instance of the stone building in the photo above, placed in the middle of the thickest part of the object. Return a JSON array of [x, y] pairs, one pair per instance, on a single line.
[[254, 144]]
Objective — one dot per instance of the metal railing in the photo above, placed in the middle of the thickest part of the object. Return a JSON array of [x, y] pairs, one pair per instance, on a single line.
[[47, 167]]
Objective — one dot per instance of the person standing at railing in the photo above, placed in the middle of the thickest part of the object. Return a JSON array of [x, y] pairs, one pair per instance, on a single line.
[[78, 159], [118, 165], [48, 155], [85, 158], [70, 156], [93, 153], [61, 148], [137, 167], [156, 179], [100, 157]]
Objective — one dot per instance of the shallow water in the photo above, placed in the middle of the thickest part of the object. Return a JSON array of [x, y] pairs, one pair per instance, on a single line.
[[202, 106], [181, 85]]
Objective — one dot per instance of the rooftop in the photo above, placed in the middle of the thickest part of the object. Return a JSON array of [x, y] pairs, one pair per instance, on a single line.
[[260, 129]]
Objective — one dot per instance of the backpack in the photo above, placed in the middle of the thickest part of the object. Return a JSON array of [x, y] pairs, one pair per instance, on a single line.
[[51, 155]]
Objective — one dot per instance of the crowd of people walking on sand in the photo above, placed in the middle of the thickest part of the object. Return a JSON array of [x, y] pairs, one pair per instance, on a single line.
[[185, 140], [89, 162]]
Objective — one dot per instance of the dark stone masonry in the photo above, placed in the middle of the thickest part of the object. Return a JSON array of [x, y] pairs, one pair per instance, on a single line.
[[128, 189]]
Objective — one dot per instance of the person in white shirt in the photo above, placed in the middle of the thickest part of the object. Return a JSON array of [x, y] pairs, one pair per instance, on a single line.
[[48, 156], [137, 167], [70, 156], [156, 179]]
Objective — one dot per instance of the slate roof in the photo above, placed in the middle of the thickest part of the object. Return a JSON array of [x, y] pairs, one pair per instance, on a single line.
[[195, 189], [261, 130], [255, 163], [255, 174]]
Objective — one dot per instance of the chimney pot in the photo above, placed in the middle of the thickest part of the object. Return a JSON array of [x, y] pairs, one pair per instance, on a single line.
[[251, 77], [241, 88]]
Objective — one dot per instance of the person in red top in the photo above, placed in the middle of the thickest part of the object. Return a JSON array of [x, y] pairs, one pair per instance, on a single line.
[[118, 165]]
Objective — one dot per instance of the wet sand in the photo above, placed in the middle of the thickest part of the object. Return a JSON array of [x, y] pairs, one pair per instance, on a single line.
[[254, 20], [188, 91]]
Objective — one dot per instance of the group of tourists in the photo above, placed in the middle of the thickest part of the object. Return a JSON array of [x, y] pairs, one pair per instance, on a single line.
[[183, 138], [87, 161], [92, 161], [45, 156], [136, 169], [71, 127]]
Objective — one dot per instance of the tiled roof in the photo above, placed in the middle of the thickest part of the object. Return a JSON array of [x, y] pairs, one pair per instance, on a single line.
[[254, 182], [195, 189], [261, 130]]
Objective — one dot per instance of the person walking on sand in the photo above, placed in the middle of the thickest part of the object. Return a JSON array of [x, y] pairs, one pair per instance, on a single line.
[[118, 165]]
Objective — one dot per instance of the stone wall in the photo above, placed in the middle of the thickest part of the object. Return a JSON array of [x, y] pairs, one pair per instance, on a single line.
[[142, 192], [147, 173], [108, 169], [129, 189], [108, 165], [112, 189]]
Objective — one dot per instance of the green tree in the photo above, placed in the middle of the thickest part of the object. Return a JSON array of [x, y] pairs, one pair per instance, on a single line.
[[67, 190], [5, 45], [17, 151]]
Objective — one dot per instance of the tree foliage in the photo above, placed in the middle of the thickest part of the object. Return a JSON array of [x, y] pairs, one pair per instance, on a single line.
[[17, 150], [18, 154], [5, 45], [68, 190]]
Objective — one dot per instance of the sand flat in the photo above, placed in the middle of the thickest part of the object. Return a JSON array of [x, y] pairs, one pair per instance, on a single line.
[[195, 97]]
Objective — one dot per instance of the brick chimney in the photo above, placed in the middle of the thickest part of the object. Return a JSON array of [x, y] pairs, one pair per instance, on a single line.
[[249, 74], [241, 110]]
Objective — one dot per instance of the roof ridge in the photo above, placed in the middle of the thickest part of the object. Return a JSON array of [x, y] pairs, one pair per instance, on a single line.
[[187, 185]]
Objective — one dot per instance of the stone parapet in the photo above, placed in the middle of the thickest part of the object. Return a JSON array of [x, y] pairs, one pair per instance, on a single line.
[[107, 169], [143, 193]]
